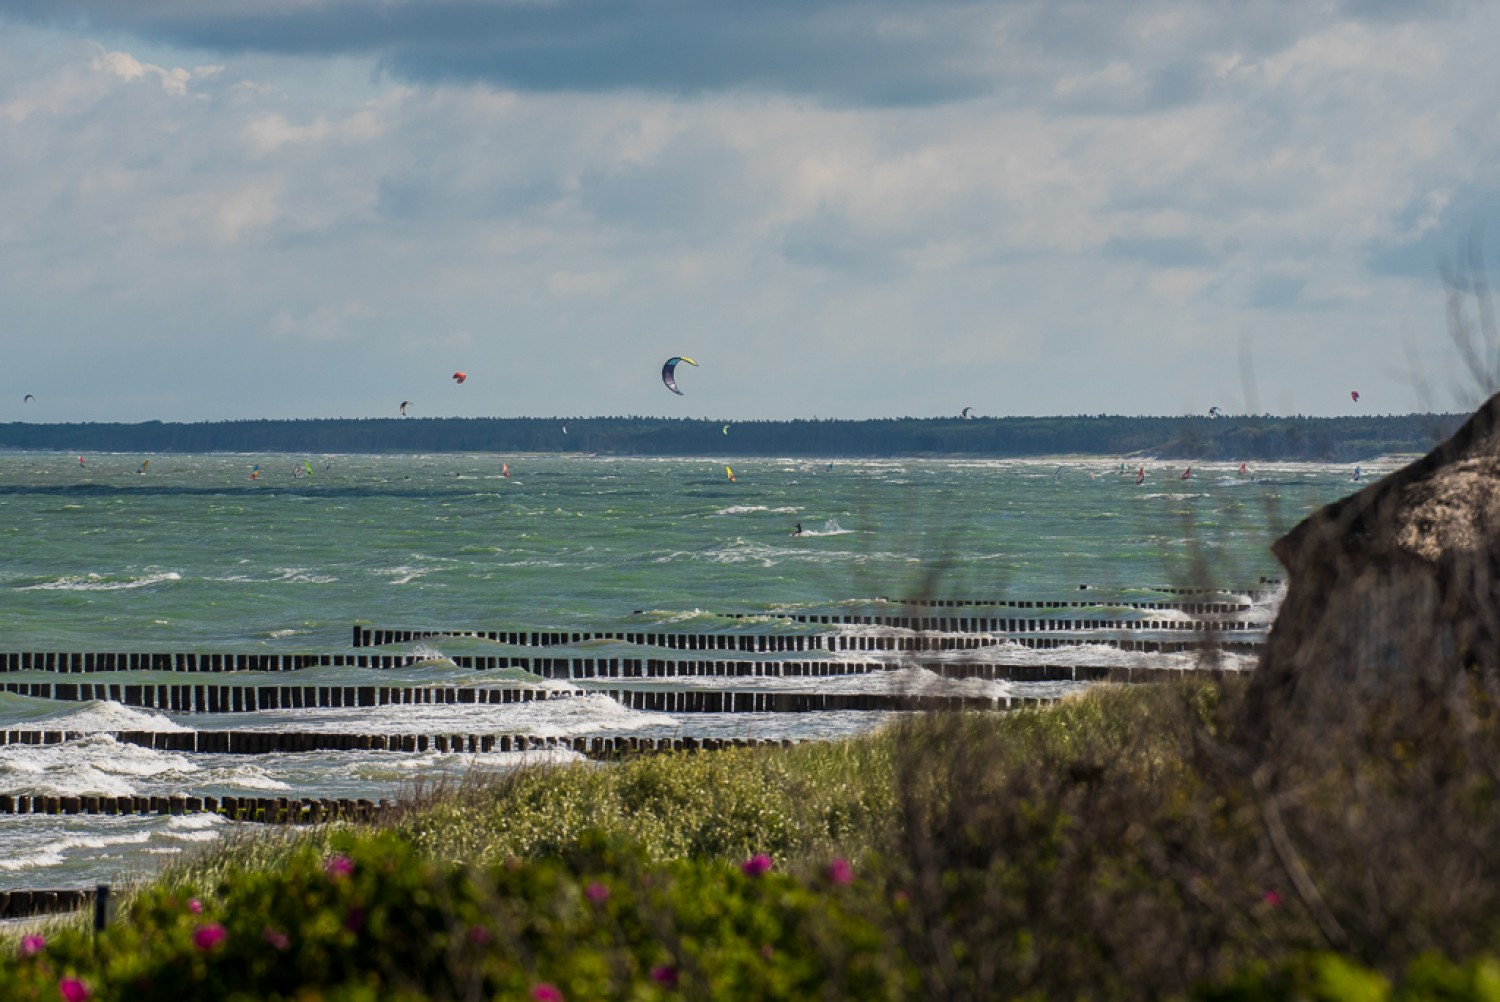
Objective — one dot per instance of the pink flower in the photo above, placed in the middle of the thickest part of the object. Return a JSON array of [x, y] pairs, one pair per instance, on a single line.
[[1272, 898], [597, 893], [195, 906], [664, 975], [756, 865], [545, 992], [206, 937], [278, 940], [73, 990], [338, 867], [840, 872], [32, 945], [480, 936]]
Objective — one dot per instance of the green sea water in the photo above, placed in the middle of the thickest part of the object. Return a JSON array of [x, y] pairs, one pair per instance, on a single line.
[[190, 553]]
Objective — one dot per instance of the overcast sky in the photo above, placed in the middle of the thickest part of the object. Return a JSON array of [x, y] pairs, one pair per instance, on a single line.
[[839, 208]]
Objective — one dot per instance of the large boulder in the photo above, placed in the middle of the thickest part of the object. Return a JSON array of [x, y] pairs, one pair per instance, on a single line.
[[1393, 593]]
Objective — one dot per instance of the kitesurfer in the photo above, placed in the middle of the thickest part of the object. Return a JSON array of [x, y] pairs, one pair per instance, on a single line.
[[798, 530]]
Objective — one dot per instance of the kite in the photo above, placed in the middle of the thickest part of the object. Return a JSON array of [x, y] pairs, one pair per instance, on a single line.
[[965, 412], [1215, 412], [404, 404], [459, 377], [27, 399], [1354, 395], [726, 429], [669, 372], [565, 427]]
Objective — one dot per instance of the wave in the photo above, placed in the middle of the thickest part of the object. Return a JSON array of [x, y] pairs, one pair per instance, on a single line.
[[100, 582], [96, 765]]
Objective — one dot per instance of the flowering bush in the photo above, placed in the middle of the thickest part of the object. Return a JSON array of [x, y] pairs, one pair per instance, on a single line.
[[376, 920]]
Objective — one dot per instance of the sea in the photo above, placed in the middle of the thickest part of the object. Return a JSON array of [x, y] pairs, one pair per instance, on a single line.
[[276, 554]]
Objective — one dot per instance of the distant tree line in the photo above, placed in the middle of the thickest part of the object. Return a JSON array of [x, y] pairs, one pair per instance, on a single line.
[[1346, 439]]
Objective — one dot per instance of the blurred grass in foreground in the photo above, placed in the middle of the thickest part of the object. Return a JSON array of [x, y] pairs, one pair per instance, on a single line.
[[1115, 845]]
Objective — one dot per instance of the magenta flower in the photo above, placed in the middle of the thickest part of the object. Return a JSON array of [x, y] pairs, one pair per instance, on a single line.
[[545, 992], [664, 975], [338, 867], [206, 937], [32, 945], [73, 990], [195, 906], [756, 865], [597, 893], [279, 940], [480, 936], [840, 872], [1272, 898]]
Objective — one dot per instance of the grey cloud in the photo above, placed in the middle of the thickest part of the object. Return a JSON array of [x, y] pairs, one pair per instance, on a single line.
[[857, 52]]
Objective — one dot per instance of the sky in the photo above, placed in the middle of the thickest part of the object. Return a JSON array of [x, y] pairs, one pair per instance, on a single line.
[[838, 208]]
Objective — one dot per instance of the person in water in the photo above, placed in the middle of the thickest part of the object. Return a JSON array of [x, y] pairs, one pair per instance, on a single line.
[[798, 531]]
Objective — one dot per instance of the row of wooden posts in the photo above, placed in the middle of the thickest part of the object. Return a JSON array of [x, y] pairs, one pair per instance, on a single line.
[[940, 634], [256, 698], [273, 742], [90, 662]]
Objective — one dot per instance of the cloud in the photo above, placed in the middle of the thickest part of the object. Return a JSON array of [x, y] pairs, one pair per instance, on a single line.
[[1050, 207]]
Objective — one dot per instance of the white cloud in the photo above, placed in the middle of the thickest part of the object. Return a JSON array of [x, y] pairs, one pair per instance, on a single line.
[[1113, 194]]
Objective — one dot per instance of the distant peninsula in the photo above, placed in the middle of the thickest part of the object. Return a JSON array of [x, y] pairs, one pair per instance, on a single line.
[[1341, 439]]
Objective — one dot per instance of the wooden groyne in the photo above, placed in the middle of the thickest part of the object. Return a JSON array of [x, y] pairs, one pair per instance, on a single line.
[[274, 742], [273, 810], [92, 662], [961, 635], [254, 698], [228, 698], [21, 904]]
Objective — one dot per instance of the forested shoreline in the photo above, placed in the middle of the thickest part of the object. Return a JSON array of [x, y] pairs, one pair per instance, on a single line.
[[1341, 439]]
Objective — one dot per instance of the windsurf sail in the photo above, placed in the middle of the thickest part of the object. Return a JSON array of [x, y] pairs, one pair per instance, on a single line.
[[144, 464], [505, 470], [1244, 469], [1187, 474], [730, 474], [669, 372], [1140, 476]]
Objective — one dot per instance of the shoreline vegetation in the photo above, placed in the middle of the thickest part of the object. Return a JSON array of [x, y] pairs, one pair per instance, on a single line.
[[1237, 438], [1110, 846]]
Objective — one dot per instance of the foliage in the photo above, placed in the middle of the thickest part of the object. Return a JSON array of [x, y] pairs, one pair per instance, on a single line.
[[1249, 437], [377, 920], [1116, 845]]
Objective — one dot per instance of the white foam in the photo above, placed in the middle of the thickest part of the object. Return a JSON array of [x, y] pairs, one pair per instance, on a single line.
[[98, 582], [107, 715], [95, 765]]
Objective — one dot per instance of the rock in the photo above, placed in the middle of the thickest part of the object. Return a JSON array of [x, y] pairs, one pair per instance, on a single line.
[[1393, 593]]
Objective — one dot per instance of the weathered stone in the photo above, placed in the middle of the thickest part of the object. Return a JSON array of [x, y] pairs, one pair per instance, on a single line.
[[1393, 593]]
